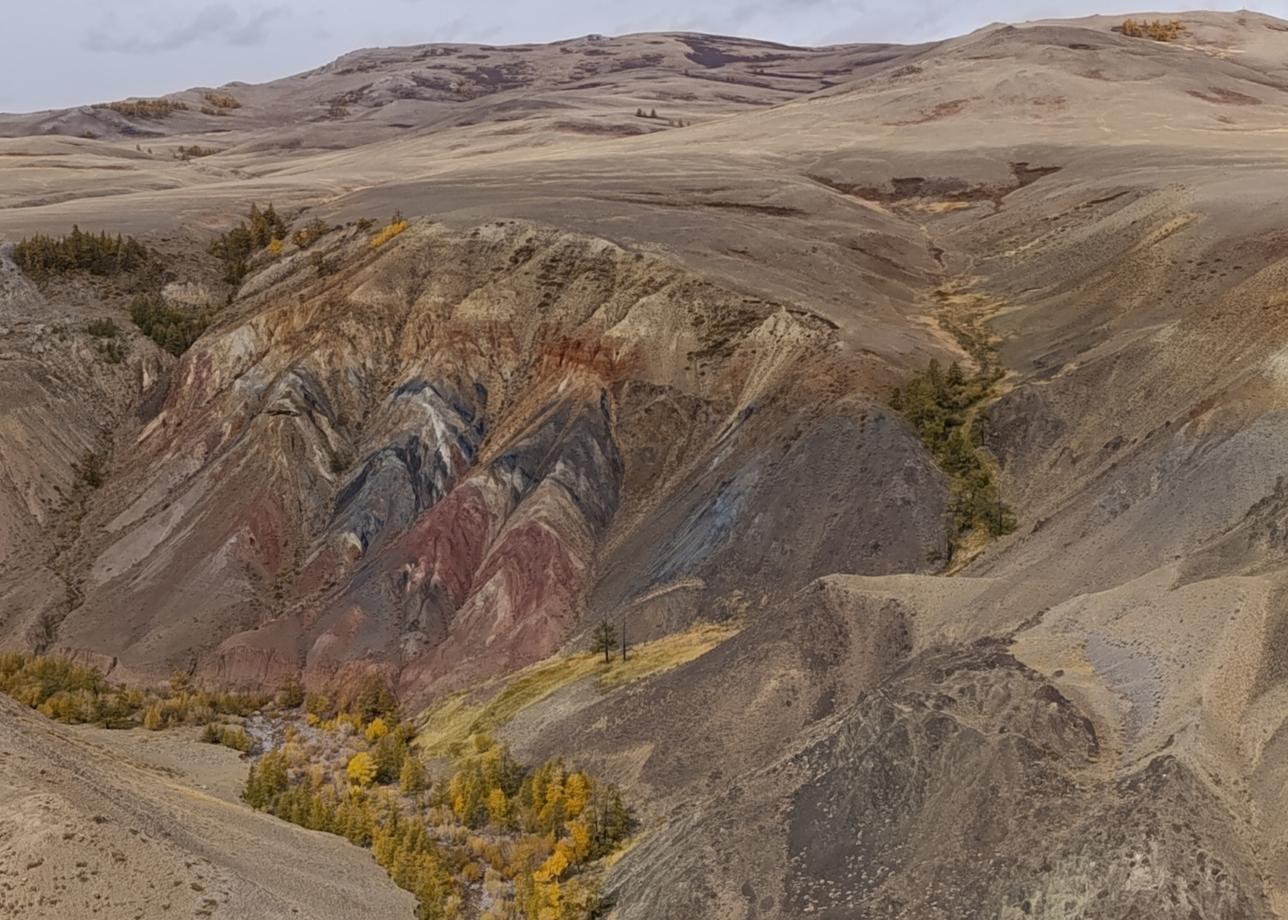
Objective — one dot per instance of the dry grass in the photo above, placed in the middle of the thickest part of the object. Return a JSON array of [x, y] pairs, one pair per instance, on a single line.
[[666, 653], [942, 207], [450, 724]]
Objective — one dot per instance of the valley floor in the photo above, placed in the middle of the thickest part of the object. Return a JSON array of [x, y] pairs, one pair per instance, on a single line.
[[141, 825]]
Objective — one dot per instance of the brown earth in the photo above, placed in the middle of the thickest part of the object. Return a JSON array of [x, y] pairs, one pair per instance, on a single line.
[[639, 368], [142, 824]]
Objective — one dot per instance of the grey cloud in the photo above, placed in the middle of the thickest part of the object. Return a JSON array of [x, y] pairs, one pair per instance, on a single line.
[[217, 23]]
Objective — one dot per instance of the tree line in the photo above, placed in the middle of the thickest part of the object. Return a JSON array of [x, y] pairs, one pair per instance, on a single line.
[[528, 837], [43, 257], [66, 691]]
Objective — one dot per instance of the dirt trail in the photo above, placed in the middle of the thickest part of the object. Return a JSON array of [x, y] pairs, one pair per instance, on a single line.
[[141, 825]]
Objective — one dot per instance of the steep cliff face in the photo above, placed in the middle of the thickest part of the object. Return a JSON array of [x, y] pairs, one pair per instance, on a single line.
[[63, 405], [427, 462]]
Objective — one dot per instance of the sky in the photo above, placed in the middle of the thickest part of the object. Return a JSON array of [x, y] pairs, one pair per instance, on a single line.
[[58, 53]]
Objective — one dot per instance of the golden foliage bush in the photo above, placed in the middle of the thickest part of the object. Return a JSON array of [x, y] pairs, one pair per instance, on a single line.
[[361, 770], [1156, 29], [218, 100], [376, 730], [146, 108], [388, 233]]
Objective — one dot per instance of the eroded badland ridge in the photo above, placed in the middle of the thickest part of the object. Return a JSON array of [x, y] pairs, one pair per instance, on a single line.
[[1007, 643]]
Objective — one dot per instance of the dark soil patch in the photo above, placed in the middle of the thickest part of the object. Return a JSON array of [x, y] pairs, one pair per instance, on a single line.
[[1220, 96]]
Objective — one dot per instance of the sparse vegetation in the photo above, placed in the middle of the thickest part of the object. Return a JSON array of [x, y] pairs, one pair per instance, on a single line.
[[447, 728], [235, 247], [290, 695], [173, 328], [310, 233], [153, 719], [224, 101], [604, 639], [90, 469], [322, 265], [112, 351], [104, 328], [1157, 29], [942, 408], [195, 152], [69, 692], [231, 736], [145, 108], [43, 257], [395, 226]]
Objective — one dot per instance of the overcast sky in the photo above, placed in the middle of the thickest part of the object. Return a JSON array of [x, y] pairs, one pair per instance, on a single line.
[[56, 53]]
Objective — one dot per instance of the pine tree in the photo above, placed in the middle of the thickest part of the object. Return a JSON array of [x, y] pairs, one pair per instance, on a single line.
[[411, 778], [605, 639], [498, 808]]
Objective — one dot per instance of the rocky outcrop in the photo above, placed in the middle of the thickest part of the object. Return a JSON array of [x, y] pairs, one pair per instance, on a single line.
[[893, 805], [430, 462]]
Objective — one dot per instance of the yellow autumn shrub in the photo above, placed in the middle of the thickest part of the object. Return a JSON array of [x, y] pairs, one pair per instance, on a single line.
[[388, 233], [361, 770]]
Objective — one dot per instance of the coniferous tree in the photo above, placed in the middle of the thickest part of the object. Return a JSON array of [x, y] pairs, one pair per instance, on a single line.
[[411, 776], [604, 639]]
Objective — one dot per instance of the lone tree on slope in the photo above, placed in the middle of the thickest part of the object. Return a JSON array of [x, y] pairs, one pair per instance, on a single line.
[[605, 639]]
